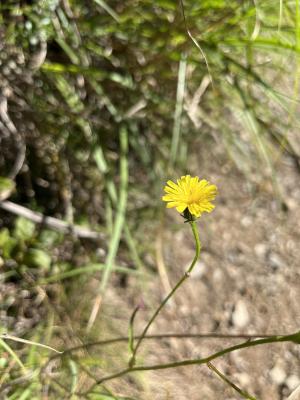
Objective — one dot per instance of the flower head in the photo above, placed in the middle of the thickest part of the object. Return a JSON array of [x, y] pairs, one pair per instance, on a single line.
[[190, 193]]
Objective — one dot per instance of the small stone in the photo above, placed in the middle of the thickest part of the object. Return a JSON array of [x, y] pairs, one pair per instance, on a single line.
[[101, 252], [295, 395], [275, 261], [12, 64], [292, 382], [261, 250], [240, 315], [292, 204], [217, 275], [278, 374], [198, 270], [246, 221], [243, 378]]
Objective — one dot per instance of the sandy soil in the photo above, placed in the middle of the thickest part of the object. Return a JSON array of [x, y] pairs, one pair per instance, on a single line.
[[246, 282]]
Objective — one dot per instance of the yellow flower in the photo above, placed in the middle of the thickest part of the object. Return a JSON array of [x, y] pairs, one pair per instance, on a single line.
[[190, 193]]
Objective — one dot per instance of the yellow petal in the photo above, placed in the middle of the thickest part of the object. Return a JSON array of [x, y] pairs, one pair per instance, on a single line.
[[168, 189], [181, 208], [172, 185]]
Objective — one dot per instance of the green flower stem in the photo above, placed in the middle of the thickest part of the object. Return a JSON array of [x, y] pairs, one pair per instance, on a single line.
[[163, 303], [198, 246], [294, 338]]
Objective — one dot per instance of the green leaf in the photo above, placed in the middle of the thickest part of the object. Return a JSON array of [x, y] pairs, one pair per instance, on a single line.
[[38, 258], [7, 243], [24, 229], [6, 187], [50, 238], [3, 362]]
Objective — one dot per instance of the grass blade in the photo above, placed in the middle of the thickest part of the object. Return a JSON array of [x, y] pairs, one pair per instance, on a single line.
[[178, 110], [243, 393], [120, 217], [13, 355], [5, 336]]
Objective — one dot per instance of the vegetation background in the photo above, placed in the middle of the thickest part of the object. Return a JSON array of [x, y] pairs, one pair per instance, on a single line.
[[100, 103]]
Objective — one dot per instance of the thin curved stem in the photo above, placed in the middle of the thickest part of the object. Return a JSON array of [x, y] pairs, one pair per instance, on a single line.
[[163, 336], [124, 339], [225, 379], [294, 338], [164, 302]]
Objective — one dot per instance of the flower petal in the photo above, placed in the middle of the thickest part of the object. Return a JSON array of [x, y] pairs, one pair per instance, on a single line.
[[172, 185], [181, 208]]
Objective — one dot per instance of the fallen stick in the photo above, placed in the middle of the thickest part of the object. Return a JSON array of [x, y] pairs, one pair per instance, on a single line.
[[50, 222]]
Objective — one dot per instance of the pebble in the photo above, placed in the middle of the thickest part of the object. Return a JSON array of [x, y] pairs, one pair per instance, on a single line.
[[292, 382], [295, 395], [278, 374], [261, 250], [217, 275], [292, 204], [198, 270], [275, 261], [240, 315], [246, 221], [243, 378]]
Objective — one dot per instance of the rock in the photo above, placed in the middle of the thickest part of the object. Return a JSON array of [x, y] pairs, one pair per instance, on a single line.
[[261, 250], [243, 378], [218, 275], [240, 315], [292, 382], [278, 374], [295, 395], [100, 252], [198, 270], [292, 203], [246, 221], [275, 261]]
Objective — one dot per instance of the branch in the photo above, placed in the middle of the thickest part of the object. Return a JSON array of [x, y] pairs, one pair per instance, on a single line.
[[50, 222]]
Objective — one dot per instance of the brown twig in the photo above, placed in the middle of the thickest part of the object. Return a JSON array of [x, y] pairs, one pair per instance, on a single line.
[[50, 222]]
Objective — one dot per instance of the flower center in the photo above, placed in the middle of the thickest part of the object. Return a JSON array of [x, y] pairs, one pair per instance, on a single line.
[[193, 197]]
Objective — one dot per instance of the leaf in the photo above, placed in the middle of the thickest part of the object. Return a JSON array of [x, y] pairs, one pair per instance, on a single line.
[[24, 229], [50, 238], [38, 258], [7, 243], [7, 186]]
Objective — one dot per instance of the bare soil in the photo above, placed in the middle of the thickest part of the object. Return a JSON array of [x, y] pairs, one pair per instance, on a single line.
[[246, 282]]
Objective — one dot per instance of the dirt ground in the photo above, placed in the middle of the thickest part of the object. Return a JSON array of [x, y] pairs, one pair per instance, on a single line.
[[246, 282]]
